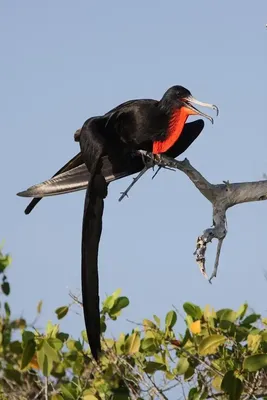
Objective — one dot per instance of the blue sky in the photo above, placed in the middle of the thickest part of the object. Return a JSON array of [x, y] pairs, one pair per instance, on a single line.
[[64, 61]]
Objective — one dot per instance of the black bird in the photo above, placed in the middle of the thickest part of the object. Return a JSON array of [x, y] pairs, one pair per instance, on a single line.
[[74, 175], [148, 124], [137, 124]]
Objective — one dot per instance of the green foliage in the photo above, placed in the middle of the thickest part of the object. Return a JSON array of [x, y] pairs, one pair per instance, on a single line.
[[232, 385], [62, 312], [221, 352]]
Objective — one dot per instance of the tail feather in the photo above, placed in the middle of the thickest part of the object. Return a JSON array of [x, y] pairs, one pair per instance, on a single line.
[[91, 233], [76, 178], [74, 162]]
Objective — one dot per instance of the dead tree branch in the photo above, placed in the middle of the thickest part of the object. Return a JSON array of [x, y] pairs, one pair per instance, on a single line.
[[221, 196]]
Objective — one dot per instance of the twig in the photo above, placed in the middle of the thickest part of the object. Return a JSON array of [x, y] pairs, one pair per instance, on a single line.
[[46, 388], [214, 272], [253, 387], [38, 394], [75, 299], [125, 193], [156, 389], [213, 369]]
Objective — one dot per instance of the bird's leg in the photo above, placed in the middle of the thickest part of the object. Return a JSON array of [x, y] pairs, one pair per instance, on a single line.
[[154, 158], [148, 164], [125, 193], [159, 168]]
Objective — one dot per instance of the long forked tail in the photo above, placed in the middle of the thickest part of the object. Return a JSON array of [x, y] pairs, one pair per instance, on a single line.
[[91, 233], [91, 143]]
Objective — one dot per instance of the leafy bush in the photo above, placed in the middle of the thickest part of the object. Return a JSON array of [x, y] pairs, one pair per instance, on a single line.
[[222, 354]]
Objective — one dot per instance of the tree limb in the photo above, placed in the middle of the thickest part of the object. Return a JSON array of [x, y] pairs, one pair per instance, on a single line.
[[221, 196]]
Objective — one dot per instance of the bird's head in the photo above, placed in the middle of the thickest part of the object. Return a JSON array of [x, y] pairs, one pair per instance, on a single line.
[[178, 97]]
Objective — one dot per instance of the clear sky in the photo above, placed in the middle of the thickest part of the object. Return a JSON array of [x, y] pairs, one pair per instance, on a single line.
[[64, 61]]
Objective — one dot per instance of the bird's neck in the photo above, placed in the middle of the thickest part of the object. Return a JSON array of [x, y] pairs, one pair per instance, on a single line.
[[176, 121]]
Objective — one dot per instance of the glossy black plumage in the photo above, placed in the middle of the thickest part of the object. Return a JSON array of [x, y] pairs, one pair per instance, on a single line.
[[136, 124]]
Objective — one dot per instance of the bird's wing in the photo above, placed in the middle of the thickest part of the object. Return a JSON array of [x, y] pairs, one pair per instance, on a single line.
[[128, 104], [76, 178]]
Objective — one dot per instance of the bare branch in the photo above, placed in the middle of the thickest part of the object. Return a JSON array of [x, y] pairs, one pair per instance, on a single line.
[[46, 388], [222, 196]]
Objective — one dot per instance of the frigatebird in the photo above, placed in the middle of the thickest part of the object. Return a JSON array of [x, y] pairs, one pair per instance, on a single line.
[[151, 125]]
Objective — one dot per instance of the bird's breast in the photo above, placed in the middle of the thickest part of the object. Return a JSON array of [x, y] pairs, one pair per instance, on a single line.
[[175, 127]]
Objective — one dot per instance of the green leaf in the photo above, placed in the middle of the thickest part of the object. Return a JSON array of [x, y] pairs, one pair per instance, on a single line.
[[7, 309], [56, 397], [62, 312], [28, 353], [241, 333], [5, 288], [251, 319], [216, 383], [170, 319], [120, 344], [15, 347], [209, 313], [71, 344], [264, 336], [89, 397], [63, 336], [46, 355], [232, 385], [45, 363], [103, 325], [255, 362], [59, 371], [52, 330], [210, 344], [132, 343], [5, 261], [189, 373], [55, 343], [228, 315], [26, 336], [50, 352], [192, 310], [68, 391], [116, 294], [152, 366], [84, 336], [39, 307], [157, 320], [242, 311], [194, 394], [182, 366], [149, 325], [149, 345], [254, 342], [119, 304], [109, 302]]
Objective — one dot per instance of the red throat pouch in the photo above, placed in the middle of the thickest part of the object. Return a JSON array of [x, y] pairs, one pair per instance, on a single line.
[[176, 125]]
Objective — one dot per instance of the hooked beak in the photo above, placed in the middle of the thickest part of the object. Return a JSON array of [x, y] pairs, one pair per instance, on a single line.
[[194, 111]]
